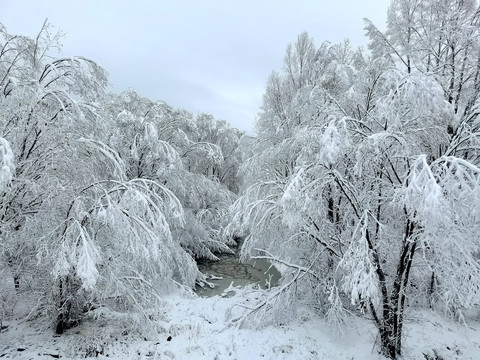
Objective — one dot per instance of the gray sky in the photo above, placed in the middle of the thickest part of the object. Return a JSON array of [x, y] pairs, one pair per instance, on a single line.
[[203, 56]]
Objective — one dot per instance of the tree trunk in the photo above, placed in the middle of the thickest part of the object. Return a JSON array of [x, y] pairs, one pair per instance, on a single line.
[[66, 317], [63, 308], [390, 324]]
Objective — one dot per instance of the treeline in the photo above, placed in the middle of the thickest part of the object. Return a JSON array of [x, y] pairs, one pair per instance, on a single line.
[[106, 200]]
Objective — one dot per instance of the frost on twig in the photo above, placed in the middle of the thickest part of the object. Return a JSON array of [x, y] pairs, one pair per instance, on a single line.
[[275, 294]]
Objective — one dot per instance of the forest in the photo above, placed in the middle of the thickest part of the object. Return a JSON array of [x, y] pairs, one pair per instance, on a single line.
[[361, 185]]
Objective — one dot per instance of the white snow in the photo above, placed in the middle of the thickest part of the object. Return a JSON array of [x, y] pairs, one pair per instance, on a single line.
[[87, 261], [7, 163], [200, 328]]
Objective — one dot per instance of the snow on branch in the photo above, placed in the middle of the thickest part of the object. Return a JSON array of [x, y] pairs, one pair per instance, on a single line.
[[360, 279], [110, 154], [422, 195], [300, 273], [7, 163]]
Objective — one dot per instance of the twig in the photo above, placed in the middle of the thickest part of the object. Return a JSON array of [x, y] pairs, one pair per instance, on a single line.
[[301, 272]]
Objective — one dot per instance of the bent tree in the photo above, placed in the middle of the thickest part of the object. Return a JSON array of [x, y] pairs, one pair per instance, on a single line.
[[42, 101], [92, 267]]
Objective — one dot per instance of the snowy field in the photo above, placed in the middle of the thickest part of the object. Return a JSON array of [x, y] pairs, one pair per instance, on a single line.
[[201, 328]]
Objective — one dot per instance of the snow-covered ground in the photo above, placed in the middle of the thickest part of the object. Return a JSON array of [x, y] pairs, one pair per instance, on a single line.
[[201, 328]]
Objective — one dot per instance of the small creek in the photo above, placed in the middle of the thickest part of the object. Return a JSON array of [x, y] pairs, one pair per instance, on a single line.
[[228, 270]]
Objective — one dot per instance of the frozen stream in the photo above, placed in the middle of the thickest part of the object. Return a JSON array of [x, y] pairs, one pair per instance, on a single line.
[[230, 270]]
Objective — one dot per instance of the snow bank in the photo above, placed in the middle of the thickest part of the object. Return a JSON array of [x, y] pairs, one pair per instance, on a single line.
[[199, 328]]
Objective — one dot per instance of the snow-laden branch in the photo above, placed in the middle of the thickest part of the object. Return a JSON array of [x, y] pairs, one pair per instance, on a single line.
[[301, 271]]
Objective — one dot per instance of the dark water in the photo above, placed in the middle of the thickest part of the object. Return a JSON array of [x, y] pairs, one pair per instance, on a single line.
[[230, 270]]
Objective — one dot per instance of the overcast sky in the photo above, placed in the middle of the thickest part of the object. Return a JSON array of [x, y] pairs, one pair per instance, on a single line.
[[203, 56]]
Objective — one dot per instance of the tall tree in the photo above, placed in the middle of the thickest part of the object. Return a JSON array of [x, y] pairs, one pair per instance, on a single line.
[[42, 101]]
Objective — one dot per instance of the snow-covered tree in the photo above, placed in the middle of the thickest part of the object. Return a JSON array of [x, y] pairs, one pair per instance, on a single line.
[[160, 143], [42, 100], [98, 207], [115, 247], [289, 137], [371, 167]]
